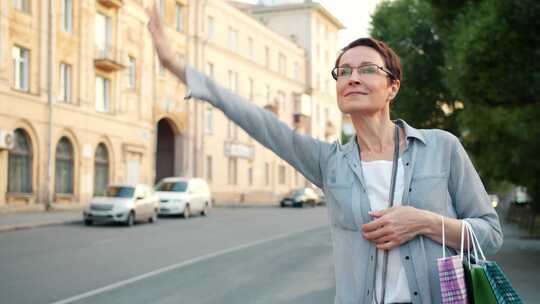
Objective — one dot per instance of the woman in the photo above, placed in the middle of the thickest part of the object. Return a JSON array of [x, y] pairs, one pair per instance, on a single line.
[[382, 254]]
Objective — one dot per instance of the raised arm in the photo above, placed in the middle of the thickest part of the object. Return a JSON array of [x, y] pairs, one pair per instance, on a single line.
[[302, 152]]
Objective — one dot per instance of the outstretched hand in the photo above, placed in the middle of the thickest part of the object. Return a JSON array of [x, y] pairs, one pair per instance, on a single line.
[[393, 226], [163, 50]]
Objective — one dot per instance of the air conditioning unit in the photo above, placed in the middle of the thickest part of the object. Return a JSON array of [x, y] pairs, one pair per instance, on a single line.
[[7, 140]]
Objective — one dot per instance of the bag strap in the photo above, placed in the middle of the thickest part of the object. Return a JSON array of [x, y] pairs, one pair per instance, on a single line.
[[475, 242], [391, 200]]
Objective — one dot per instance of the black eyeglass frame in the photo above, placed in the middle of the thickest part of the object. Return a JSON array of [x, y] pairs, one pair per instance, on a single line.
[[335, 76]]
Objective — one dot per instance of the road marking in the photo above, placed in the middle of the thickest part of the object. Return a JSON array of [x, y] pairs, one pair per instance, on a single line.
[[156, 272]]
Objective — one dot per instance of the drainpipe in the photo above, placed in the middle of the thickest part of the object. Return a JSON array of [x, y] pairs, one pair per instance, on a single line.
[[49, 183]]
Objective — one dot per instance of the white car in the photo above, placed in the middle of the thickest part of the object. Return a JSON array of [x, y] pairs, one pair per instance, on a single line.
[[123, 204], [183, 196]]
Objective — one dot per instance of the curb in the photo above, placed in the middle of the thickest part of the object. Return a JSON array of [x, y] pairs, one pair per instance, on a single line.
[[25, 226]]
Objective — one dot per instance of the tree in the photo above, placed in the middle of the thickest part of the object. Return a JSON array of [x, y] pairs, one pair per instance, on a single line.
[[493, 61], [408, 27]]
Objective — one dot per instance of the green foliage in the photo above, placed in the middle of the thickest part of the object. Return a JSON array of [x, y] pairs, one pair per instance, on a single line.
[[485, 53], [408, 28]]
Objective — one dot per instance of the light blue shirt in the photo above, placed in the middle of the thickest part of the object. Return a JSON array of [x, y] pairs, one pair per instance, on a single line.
[[439, 177]]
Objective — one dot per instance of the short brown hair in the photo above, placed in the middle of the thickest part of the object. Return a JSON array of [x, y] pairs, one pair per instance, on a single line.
[[391, 59]]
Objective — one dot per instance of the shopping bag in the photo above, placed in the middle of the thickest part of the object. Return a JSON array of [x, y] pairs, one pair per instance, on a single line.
[[488, 276], [451, 274]]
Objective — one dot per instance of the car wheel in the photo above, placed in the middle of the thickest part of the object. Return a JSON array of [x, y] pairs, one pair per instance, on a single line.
[[187, 212], [131, 219], [313, 204], [153, 219], [88, 222], [204, 212], [282, 205]]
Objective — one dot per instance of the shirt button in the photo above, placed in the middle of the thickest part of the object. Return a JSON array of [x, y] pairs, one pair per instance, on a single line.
[[407, 164], [415, 293], [407, 257], [410, 189]]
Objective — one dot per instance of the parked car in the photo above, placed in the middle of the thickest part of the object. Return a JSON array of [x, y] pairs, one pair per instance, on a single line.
[[183, 196], [123, 204], [322, 198], [300, 197]]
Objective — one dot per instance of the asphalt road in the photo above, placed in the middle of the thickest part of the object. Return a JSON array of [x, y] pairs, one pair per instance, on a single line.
[[257, 255], [265, 255]]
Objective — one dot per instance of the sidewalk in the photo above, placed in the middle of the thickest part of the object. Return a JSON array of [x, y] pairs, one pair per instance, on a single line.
[[10, 221]]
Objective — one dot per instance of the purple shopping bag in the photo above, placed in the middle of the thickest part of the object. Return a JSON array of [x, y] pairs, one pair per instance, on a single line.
[[452, 274]]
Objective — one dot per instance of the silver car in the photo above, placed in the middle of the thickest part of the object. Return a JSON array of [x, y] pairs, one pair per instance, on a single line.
[[183, 196], [123, 204]]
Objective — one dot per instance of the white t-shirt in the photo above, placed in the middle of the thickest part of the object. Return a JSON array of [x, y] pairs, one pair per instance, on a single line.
[[377, 175]]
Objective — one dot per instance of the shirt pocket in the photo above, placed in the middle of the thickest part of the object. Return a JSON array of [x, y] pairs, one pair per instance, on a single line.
[[340, 206], [430, 192]]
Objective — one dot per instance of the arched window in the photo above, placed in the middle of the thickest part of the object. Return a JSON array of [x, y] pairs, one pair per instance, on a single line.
[[20, 164], [101, 170], [64, 166]]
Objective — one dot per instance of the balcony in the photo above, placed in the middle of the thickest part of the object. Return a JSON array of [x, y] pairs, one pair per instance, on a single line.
[[109, 59], [272, 107], [111, 3], [239, 150], [302, 123]]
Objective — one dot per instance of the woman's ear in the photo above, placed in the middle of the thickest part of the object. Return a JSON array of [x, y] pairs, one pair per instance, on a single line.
[[394, 89]]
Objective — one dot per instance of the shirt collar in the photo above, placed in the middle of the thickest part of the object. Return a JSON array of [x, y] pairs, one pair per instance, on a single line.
[[410, 132]]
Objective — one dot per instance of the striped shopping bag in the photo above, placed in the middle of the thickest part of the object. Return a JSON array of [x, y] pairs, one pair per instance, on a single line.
[[452, 280], [452, 274]]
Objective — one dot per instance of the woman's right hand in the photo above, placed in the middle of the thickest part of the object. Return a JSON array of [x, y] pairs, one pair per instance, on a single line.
[[164, 52]]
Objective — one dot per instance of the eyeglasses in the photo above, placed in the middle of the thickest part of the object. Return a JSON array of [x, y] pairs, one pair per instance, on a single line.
[[363, 70]]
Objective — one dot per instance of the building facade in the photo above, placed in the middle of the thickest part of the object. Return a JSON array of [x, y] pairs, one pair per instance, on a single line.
[[85, 103]]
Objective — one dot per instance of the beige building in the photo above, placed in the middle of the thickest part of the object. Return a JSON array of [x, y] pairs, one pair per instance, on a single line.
[[84, 102]]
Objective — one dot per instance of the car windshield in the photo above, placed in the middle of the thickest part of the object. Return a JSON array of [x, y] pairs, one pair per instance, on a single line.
[[172, 186], [118, 191], [296, 192]]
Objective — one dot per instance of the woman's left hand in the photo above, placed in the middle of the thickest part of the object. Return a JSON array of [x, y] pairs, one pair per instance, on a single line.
[[393, 226]]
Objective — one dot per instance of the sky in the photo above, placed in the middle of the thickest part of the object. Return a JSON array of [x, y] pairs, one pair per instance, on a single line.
[[354, 14]]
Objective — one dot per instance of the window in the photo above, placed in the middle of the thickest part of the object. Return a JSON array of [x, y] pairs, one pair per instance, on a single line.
[[209, 120], [281, 102], [210, 69], [67, 16], [209, 168], [103, 33], [281, 174], [20, 164], [65, 82], [179, 18], [251, 89], [162, 8], [250, 47], [296, 71], [232, 176], [161, 68], [21, 5], [233, 81], [267, 56], [21, 58], [132, 73], [64, 166], [233, 39], [210, 28], [232, 130], [250, 176], [267, 174], [101, 170], [102, 94], [282, 64], [267, 93]]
